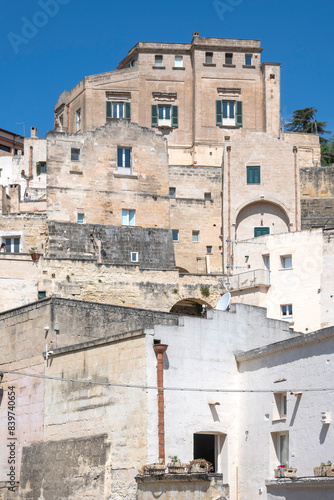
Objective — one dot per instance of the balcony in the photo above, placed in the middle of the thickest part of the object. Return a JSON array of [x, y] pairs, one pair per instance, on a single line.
[[250, 279]]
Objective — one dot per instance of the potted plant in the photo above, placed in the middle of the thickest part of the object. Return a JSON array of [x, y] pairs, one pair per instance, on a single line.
[[156, 469], [283, 470], [325, 469], [175, 466], [35, 253], [200, 465]]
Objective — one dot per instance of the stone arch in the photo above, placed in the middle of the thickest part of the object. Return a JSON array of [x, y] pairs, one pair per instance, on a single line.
[[262, 213], [182, 270], [191, 306]]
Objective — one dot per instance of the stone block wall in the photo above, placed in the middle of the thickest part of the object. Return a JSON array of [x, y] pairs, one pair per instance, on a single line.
[[317, 197]]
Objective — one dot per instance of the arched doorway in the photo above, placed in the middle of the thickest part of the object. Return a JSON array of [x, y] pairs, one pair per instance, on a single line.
[[191, 307]]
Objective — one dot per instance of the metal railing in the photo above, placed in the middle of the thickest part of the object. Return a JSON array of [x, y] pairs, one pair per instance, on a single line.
[[250, 279]]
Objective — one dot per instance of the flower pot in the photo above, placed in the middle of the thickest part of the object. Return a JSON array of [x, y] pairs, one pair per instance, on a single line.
[[279, 472], [176, 468], [35, 256], [199, 467], [290, 472], [319, 471], [156, 470], [328, 470]]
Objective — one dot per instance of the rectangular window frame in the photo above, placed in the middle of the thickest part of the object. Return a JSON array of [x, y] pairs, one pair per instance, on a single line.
[[280, 409], [209, 250], [248, 59], [13, 244], [158, 60], [163, 119], [40, 167], [80, 218], [128, 217], [195, 236], [78, 120], [229, 58], [75, 154], [172, 192], [286, 261], [208, 57], [116, 110], [229, 113], [178, 62], [261, 231], [134, 257], [253, 174], [124, 160], [286, 311], [175, 235]]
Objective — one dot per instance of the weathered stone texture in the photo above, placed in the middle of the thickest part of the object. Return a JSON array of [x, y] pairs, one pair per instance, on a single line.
[[76, 241], [317, 197], [72, 469]]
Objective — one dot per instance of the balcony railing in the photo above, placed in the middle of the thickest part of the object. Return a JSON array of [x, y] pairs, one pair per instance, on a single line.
[[61, 129], [250, 279]]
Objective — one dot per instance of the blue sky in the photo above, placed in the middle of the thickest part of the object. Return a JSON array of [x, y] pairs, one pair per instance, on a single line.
[[44, 52]]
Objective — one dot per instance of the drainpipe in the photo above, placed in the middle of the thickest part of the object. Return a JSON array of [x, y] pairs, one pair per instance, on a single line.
[[159, 350], [228, 149], [295, 150]]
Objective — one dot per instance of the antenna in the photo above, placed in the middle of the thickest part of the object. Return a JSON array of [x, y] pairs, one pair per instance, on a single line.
[[224, 302], [24, 130]]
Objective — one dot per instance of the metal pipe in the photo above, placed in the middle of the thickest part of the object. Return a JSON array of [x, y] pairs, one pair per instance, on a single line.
[[159, 350]]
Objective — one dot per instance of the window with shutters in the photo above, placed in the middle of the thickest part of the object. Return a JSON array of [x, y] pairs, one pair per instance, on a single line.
[[253, 175], [124, 161], [165, 116], [116, 110], [260, 231], [229, 113]]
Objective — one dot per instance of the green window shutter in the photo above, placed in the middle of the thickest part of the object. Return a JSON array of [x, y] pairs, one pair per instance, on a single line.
[[175, 116], [260, 231], [109, 109], [238, 113], [253, 175], [38, 168], [219, 113], [128, 110], [154, 115]]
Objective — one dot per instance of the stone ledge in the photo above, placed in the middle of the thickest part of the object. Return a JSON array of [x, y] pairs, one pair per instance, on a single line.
[[301, 482], [187, 477]]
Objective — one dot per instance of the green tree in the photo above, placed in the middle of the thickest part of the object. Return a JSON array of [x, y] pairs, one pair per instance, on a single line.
[[327, 152], [303, 120]]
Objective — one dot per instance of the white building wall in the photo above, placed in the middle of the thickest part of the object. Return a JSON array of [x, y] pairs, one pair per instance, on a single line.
[[301, 286]]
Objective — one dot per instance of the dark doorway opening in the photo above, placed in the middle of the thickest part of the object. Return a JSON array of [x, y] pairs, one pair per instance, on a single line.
[[204, 447]]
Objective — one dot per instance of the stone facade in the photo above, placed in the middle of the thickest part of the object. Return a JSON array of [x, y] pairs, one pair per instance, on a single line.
[[222, 124]]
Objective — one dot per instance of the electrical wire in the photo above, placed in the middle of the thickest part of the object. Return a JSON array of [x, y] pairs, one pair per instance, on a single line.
[[182, 389]]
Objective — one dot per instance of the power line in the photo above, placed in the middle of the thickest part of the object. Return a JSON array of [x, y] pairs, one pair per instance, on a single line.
[[182, 389]]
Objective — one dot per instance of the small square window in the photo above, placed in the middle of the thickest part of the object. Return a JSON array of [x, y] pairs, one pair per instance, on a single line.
[[248, 60], [175, 234], [228, 58], [172, 192], [128, 217], [286, 262], [253, 175], [158, 60], [209, 250], [41, 295], [195, 236], [12, 244], [207, 196], [208, 57], [75, 154], [286, 311], [178, 62], [81, 218], [134, 256]]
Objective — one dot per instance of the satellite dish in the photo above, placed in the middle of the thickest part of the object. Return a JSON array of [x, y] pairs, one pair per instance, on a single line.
[[224, 302]]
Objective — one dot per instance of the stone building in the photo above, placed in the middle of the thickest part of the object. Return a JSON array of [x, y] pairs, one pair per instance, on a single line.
[[288, 274], [87, 416], [10, 144], [231, 174]]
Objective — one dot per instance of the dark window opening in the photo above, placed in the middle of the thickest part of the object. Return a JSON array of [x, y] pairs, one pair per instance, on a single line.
[[204, 447]]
